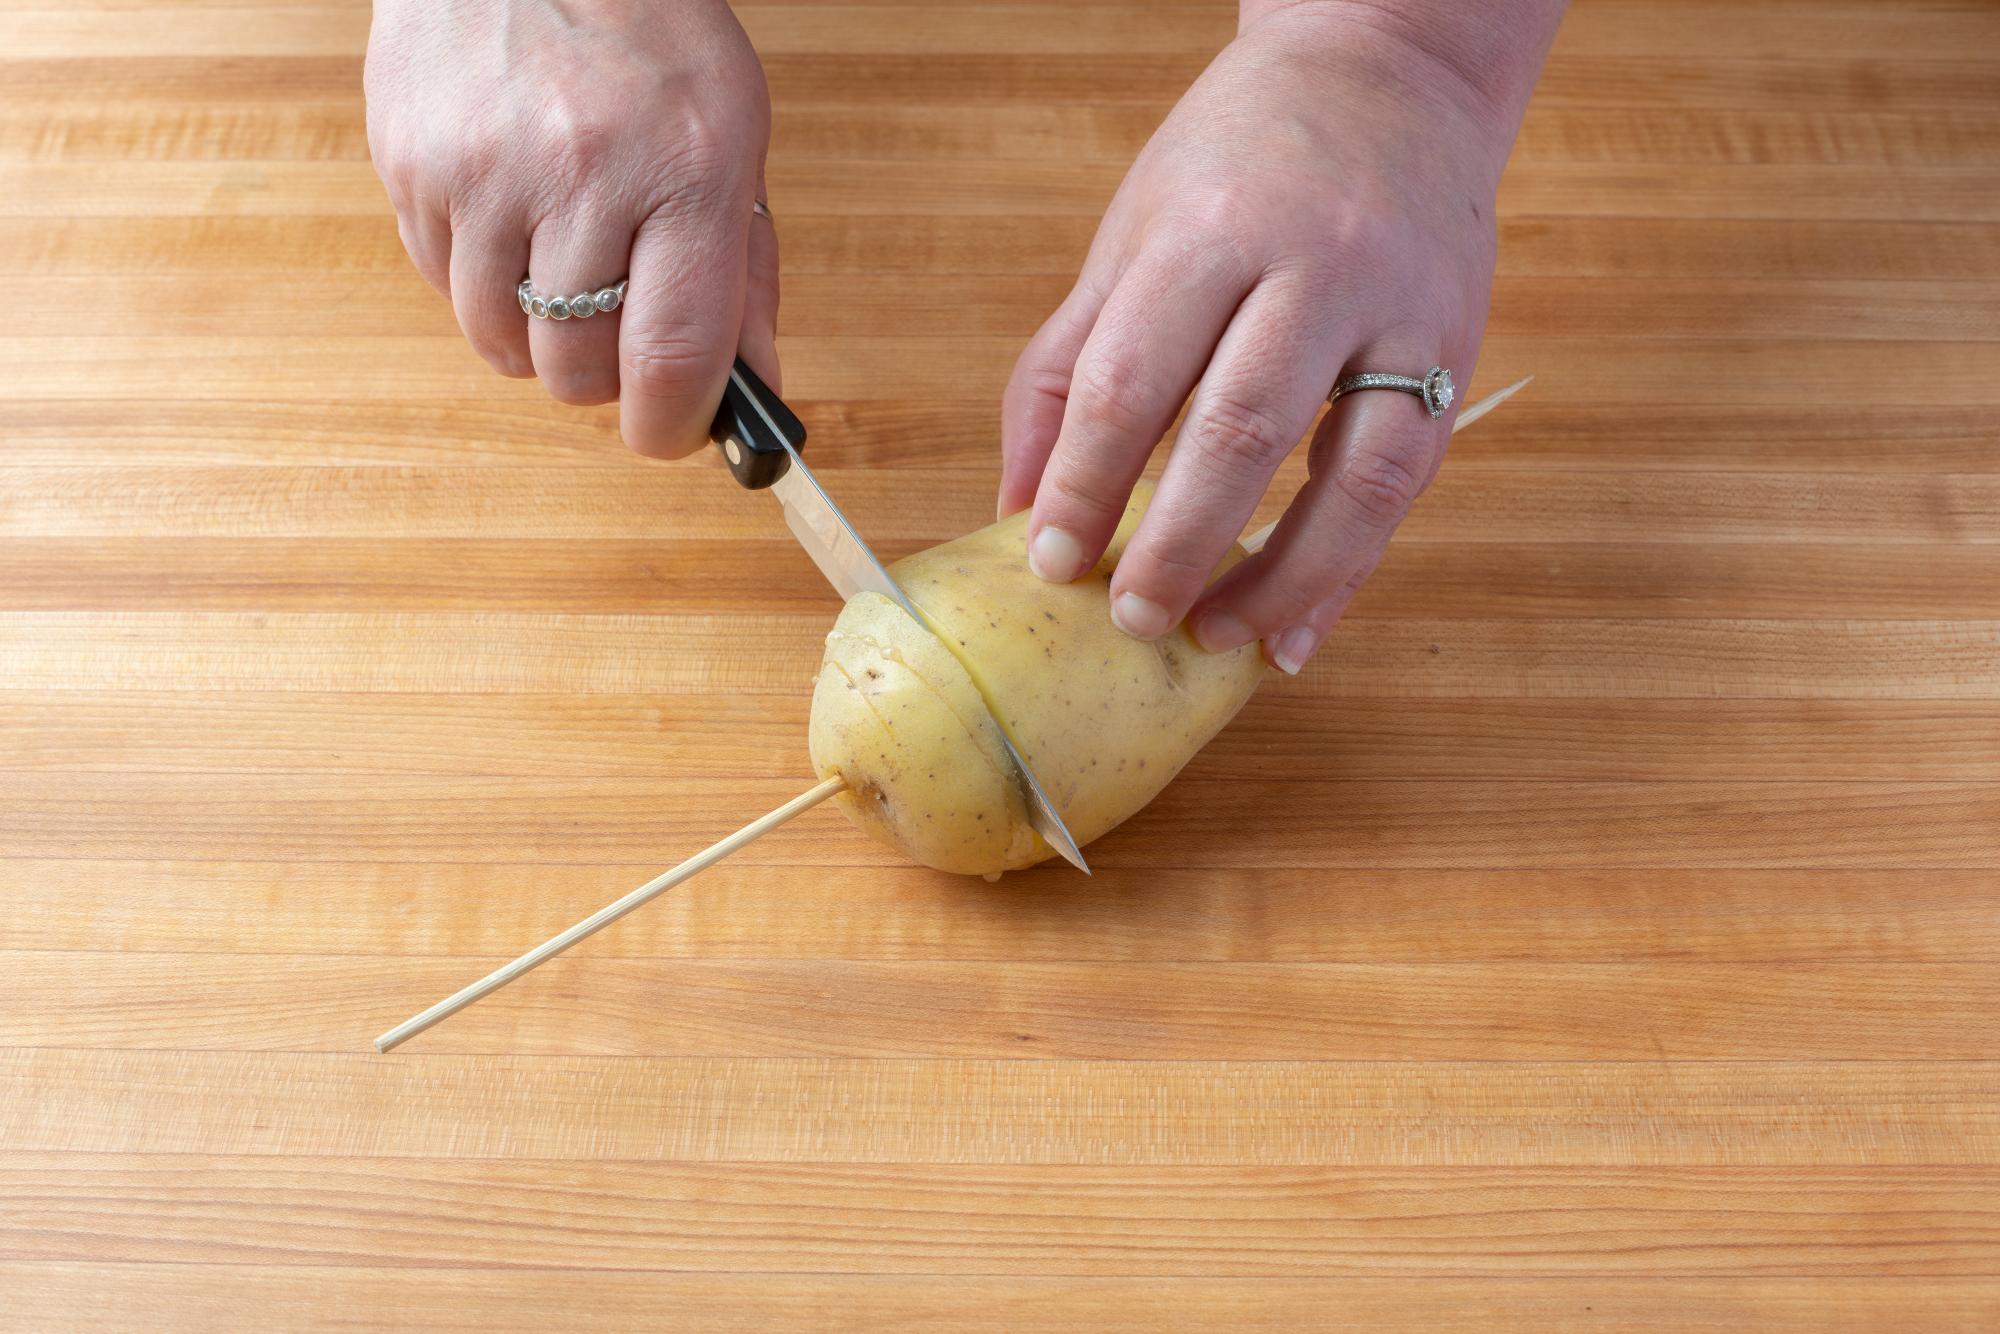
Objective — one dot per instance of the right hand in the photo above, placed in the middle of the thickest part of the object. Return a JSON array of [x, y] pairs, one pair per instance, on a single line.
[[576, 144]]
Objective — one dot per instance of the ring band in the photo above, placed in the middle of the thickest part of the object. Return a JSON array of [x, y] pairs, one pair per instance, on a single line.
[[1435, 388], [605, 299], [581, 306]]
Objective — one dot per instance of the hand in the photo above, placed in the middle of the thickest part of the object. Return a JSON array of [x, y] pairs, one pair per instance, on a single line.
[[1319, 203], [576, 144]]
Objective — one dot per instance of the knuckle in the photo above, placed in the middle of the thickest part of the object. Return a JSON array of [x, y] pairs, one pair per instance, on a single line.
[[1036, 380], [1088, 491], [581, 387], [474, 160], [1352, 584], [1219, 217], [499, 345], [1177, 567], [1117, 396], [1359, 236], [504, 357], [1382, 482], [579, 141], [396, 162], [1237, 442], [666, 363]]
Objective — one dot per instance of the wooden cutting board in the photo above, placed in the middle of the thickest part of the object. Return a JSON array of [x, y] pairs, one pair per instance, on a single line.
[[1605, 931]]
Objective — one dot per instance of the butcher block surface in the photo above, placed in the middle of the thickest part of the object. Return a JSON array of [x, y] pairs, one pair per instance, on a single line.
[[1603, 932]]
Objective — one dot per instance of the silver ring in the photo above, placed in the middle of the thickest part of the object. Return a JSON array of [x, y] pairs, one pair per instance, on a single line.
[[581, 306], [1435, 388], [763, 210]]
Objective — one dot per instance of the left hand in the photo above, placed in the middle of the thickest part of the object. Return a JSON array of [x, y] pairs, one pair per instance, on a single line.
[[1319, 203]]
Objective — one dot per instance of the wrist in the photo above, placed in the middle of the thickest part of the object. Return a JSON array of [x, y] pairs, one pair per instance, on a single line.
[[1484, 55]]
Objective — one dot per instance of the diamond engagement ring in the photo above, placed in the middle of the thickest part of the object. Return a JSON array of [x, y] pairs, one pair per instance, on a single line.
[[581, 306], [1435, 388]]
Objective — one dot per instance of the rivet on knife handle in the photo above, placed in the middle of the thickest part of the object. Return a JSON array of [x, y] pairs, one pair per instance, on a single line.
[[752, 428]]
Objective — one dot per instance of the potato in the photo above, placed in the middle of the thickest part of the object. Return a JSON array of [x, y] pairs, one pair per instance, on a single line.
[[907, 716]]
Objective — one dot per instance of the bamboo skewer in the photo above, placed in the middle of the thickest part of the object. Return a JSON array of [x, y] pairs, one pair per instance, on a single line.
[[605, 916], [1255, 541], [749, 833]]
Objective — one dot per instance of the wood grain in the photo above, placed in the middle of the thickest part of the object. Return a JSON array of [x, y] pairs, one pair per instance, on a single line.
[[724, 736], [747, 912], [854, 305], [1086, 1221], [1477, 1113], [1022, 1011], [540, 653], [1532, 580], [127, 1296], [1601, 934]]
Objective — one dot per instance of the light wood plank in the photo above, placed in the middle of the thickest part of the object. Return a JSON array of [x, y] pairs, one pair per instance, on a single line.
[[632, 499], [969, 1220], [1014, 245], [539, 653], [831, 306], [819, 30], [1637, 371], [1960, 84], [670, 575], [132, 1296], [390, 910], [868, 187], [581, 1004], [1111, 1113], [249, 130], [732, 733], [960, 433]]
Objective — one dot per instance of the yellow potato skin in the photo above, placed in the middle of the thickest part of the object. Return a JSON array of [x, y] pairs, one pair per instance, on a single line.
[[1106, 720], [897, 716]]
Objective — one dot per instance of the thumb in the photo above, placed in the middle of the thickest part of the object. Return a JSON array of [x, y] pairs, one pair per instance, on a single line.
[[758, 341]]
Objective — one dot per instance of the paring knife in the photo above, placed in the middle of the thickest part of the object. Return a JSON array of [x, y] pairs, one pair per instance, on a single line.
[[760, 437]]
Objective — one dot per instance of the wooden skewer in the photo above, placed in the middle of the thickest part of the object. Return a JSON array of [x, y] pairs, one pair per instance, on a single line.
[[749, 833], [605, 916], [1256, 540]]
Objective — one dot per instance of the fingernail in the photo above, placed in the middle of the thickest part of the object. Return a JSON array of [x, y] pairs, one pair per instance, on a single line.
[[1290, 650], [1141, 618], [1055, 556], [1219, 632]]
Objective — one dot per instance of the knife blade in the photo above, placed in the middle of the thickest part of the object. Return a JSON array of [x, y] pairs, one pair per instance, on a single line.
[[760, 438]]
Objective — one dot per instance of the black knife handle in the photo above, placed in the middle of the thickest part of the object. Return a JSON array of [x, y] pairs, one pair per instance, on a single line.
[[751, 429]]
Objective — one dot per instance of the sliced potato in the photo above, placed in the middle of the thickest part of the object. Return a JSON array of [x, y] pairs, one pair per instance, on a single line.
[[1106, 720]]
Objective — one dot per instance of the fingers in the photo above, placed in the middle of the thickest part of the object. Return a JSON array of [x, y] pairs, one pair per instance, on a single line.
[[1149, 344], [679, 326], [426, 237], [486, 267], [1289, 649], [1031, 411], [1371, 457], [1259, 395], [577, 358], [758, 342]]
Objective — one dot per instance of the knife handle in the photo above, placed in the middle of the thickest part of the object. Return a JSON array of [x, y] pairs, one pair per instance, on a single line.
[[752, 427]]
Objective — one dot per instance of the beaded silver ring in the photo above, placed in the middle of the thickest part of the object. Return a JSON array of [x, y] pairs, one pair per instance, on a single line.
[[581, 306]]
